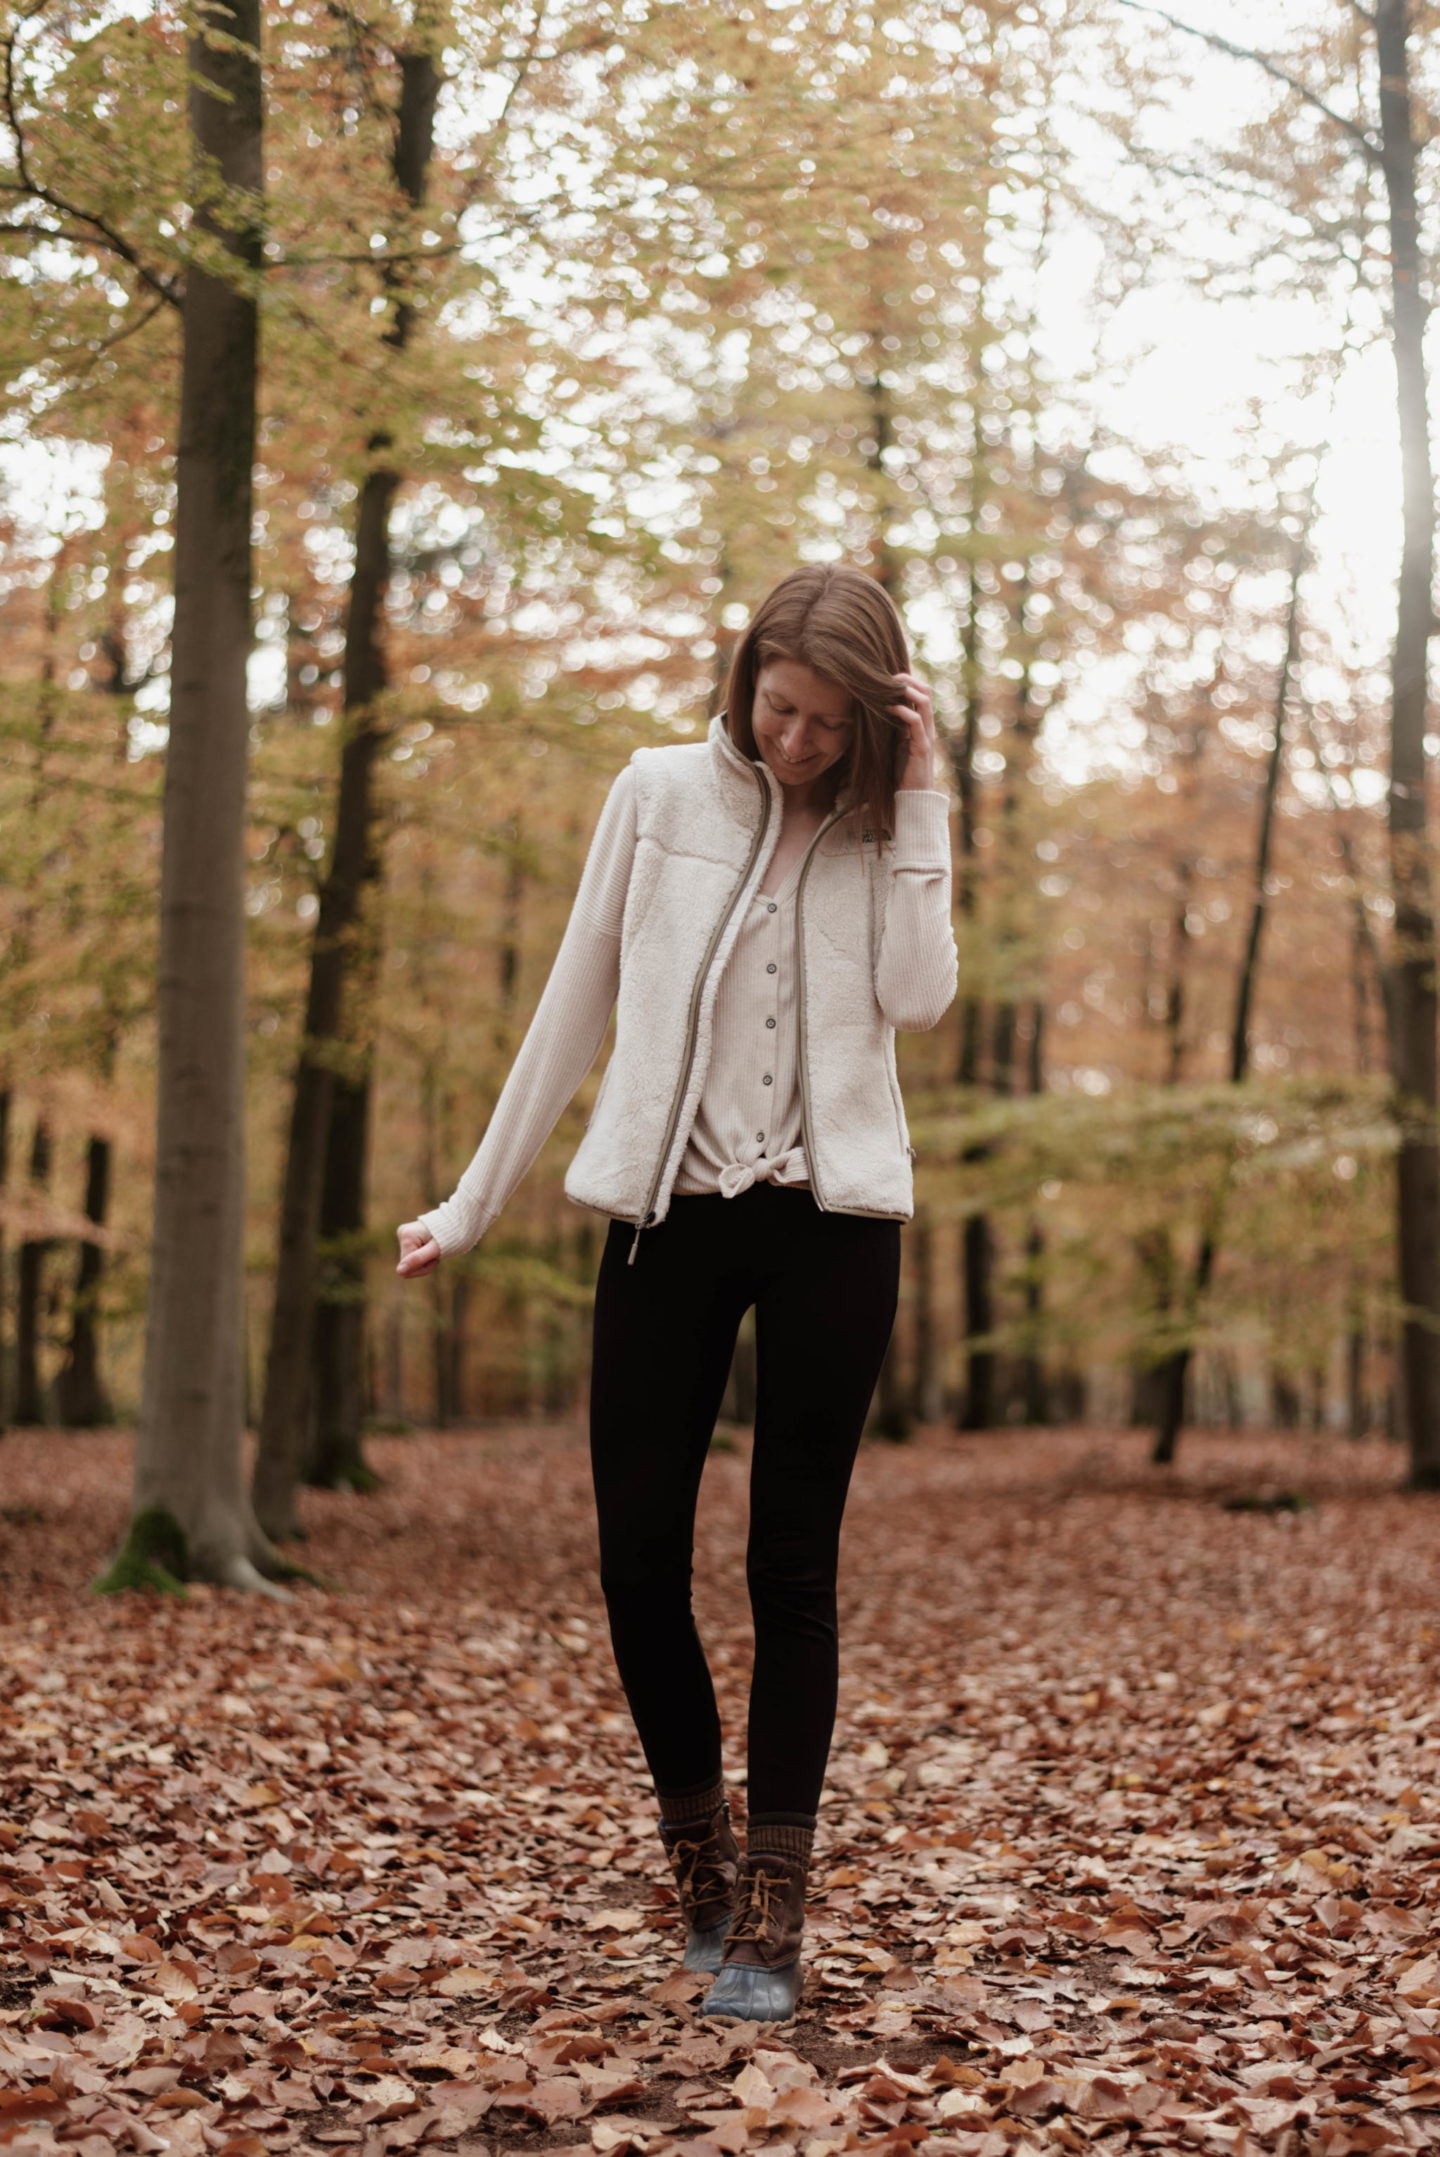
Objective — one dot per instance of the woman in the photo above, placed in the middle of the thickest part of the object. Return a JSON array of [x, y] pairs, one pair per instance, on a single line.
[[766, 908]]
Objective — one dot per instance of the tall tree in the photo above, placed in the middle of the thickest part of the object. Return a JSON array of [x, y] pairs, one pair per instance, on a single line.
[[324, 1188], [190, 1511], [976, 1405], [29, 1291], [81, 1400], [1412, 1007]]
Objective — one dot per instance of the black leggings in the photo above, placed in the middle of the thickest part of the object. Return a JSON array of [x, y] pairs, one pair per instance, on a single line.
[[824, 1287]]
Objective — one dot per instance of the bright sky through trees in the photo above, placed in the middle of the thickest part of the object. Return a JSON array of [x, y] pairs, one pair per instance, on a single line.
[[1178, 360]]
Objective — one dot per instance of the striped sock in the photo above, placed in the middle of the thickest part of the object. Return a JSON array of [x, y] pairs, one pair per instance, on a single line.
[[691, 1806], [782, 1838]]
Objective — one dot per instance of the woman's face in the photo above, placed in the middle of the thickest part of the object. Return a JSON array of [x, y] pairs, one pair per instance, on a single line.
[[803, 723]]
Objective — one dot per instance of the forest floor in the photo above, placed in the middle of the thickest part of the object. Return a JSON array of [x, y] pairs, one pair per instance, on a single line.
[[1131, 1838]]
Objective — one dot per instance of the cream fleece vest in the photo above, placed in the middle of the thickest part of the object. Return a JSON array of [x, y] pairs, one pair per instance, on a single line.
[[707, 824]]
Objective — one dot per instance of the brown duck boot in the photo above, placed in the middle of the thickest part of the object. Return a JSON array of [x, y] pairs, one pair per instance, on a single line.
[[760, 1973], [705, 1858]]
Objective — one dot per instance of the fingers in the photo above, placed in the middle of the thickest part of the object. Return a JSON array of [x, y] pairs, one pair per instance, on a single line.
[[419, 1252], [918, 707], [916, 713]]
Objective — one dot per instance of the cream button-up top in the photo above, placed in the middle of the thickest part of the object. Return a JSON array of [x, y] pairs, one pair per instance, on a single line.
[[748, 1129]]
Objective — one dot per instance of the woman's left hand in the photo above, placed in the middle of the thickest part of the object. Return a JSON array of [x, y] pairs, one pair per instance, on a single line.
[[918, 715]]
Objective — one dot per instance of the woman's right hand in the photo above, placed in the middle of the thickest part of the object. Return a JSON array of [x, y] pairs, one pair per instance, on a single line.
[[419, 1252]]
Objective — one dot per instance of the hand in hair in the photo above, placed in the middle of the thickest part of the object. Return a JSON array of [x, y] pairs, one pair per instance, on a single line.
[[917, 714]]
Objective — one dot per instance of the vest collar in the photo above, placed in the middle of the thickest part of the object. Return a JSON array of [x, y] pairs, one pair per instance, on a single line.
[[737, 773]]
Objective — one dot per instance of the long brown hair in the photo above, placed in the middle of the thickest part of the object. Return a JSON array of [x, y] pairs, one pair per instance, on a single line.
[[844, 626]]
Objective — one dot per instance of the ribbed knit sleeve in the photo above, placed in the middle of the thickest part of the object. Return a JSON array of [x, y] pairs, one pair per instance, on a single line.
[[918, 968], [564, 1036]]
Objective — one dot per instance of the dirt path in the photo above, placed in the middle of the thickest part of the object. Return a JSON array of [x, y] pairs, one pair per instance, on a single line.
[[1132, 1833]]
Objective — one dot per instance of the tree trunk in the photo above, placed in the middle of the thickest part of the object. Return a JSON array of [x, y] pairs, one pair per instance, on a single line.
[[1250, 963], [324, 1188], [395, 1363], [29, 1294], [963, 748], [452, 1301], [337, 1461], [1036, 1396], [1037, 1390], [925, 1397], [191, 1513], [1175, 987], [977, 1388], [1172, 1374], [977, 1411], [1154, 1247], [1412, 1003], [1357, 1412], [1173, 1371], [1285, 1407], [81, 1401]]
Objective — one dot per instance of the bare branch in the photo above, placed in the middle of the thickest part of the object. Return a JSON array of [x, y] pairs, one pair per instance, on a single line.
[[1360, 136], [129, 329], [377, 258]]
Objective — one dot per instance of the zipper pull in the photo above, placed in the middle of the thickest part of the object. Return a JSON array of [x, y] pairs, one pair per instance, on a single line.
[[639, 1232]]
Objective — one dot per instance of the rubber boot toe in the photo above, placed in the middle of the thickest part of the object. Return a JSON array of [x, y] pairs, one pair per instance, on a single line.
[[705, 1946], [743, 1992]]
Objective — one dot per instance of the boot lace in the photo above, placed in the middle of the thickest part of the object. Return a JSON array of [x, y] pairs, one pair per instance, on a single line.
[[699, 1871], [765, 1894]]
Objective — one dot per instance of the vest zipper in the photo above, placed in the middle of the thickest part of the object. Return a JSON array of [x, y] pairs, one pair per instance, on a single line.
[[800, 1045], [693, 1021]]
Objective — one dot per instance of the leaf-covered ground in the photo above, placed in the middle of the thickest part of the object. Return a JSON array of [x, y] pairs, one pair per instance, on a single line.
[[1130, 1840]]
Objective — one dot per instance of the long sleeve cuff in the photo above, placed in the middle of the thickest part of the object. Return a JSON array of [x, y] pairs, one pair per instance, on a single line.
[[456, 1227], [922, 831]]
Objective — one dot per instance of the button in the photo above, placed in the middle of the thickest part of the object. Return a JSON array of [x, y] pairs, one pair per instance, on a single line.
[[771, 967], [759, 1138], [767, 1080], [769, 1022], [771, 908]]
